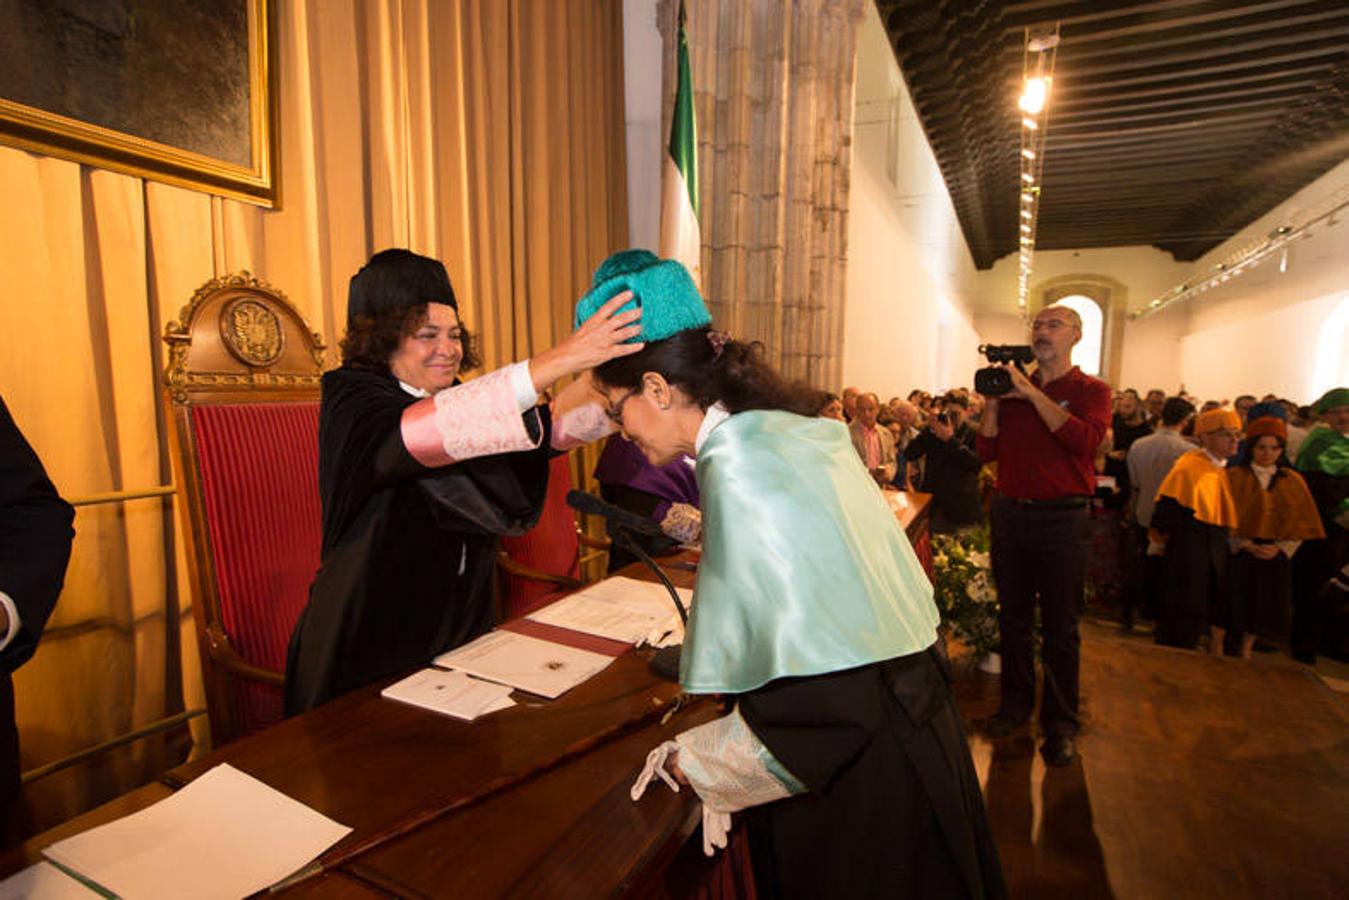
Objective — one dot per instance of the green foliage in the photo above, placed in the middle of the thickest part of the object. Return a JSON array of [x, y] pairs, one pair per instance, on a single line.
[[963, 588]]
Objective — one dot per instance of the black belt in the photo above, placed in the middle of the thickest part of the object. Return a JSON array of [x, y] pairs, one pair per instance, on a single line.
[[1055, 503]]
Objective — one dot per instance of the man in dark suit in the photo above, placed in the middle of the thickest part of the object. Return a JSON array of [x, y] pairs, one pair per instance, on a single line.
[[35, 536]]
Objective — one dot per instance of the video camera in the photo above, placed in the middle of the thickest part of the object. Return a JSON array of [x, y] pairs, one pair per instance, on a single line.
[[994, 381]]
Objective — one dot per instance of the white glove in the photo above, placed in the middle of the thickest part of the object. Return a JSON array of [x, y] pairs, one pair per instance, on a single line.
[[715, 827], [655, 766]]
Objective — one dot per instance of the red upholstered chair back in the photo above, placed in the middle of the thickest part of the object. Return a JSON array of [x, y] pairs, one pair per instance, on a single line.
[[243, 386], [550, 548]]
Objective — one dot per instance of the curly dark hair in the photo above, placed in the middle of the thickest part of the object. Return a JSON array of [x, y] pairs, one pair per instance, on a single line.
[[371, 339], [737, 377]]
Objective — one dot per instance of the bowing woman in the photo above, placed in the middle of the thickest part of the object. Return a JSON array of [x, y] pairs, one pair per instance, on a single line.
[[811, 613], [419, 474]]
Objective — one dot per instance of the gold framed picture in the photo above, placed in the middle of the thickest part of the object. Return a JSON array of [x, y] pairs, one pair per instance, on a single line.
[[173, 91]]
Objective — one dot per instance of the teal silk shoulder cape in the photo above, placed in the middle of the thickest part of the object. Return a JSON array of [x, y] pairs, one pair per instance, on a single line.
[[805, 569]]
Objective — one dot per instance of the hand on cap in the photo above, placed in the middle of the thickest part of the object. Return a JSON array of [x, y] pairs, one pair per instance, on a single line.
[[599, 339]]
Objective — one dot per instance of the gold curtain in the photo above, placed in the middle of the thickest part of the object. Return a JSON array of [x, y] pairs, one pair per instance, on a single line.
[[773, 88], [487, 133]]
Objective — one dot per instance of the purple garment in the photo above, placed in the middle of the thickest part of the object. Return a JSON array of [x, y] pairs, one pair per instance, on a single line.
[[623, 464]]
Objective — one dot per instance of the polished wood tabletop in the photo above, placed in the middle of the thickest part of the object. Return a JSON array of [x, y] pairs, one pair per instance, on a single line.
[[527, 776], [529, 800]]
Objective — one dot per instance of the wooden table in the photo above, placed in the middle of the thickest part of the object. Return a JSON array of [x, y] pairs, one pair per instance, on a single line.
[[530, 800]]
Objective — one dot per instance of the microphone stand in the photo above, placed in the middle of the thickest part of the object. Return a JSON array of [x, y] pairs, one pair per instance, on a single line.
[[666, 661]]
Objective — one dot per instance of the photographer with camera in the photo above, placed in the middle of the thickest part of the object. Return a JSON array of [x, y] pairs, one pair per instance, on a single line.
[[1043, 431], [951, 467]]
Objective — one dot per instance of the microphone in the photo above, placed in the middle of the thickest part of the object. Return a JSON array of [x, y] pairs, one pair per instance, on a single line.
[[623, 528], [614, 516]]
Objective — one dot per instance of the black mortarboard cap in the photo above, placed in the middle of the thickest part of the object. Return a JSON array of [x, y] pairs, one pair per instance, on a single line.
[[397, 279]]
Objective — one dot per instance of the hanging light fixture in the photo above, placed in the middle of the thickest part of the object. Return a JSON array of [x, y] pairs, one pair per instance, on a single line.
[[1253, 253], [1037, 76]]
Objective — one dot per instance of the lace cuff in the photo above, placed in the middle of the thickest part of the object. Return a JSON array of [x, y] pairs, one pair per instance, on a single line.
[[730, 768], [479, 418]]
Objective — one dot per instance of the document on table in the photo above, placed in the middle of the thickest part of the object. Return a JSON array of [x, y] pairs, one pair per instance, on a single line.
[[450, 693], [540, 667], [44, 881], [623, 609], [225, 835]]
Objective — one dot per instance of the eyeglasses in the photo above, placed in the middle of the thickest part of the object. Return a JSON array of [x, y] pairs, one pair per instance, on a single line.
[[615, 411]]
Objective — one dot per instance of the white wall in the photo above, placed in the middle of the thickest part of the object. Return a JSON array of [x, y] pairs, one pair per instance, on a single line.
[[1151, 356], [911, 280], [1265, 331], [641, 96]]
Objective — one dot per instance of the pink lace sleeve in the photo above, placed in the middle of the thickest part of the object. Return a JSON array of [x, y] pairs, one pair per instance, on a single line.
[[580, 425], [479, 418]]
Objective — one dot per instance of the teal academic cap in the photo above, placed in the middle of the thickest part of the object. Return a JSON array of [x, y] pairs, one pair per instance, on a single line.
[[661, 288]]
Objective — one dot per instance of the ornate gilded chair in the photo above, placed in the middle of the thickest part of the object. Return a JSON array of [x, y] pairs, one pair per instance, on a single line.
[[242, 393]]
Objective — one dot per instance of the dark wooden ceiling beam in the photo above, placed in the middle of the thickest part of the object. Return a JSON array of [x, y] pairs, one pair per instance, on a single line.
[[1215, 14], [1159, 109], [1330, 56]]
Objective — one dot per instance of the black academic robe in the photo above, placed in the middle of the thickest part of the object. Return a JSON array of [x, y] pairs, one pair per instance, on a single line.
[[408, 552], [1196, 570], [893, 808], [35, 538]]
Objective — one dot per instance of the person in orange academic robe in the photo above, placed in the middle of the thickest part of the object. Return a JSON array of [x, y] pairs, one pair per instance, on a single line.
[[1275, 513], [1193, 514]]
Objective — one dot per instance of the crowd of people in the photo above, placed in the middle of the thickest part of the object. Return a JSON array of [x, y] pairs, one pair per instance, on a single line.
[[1220, 560]]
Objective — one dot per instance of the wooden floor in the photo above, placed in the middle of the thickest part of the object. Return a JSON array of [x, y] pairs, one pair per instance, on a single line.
[[1198, 777]]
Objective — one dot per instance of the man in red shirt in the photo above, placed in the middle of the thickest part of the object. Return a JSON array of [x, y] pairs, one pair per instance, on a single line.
[[1043, 435]]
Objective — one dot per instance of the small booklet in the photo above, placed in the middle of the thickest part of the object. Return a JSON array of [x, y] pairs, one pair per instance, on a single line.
[[540, 667], [622, 609], [450, 693]]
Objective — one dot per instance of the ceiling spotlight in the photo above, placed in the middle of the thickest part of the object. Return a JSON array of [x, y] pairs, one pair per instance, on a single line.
[[1042, 42], [1028, 178], [1033, 96], [1029, 123], [1028, 153]]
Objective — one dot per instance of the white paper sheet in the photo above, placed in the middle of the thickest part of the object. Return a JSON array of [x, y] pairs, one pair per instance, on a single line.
[[44, 882], [540, 667], [225, 835], [623, 609], [450, 693]]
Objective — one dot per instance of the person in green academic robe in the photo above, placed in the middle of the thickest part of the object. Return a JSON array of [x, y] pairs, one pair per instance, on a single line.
[[843, 752], [420, 473]]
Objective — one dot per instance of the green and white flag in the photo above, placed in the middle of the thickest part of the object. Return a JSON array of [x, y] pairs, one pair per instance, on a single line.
[[679, 234]]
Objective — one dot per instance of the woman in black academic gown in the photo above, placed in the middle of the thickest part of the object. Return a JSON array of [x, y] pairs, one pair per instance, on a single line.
[[811, 616], [419, 475]]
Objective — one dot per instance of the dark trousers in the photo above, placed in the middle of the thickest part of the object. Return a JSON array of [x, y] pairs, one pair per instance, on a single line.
[[1040, 553]]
